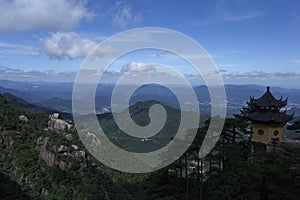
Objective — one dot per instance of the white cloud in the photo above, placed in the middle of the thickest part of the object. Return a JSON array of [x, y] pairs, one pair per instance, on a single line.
[[252, 74], [228, 65], [21, 15], [166, 52], [137, 67], [9, 48], [123, 15], [260, 75], [242, 17], [296, 60], [221, 71], [285, 73], [35, 75], [69, 44]]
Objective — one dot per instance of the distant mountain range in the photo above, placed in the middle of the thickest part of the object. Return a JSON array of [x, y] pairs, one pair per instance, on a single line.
[[23, 104], [138, 111], [58, 96]]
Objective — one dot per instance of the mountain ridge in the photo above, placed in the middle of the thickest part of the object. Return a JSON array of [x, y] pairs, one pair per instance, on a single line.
[[59, 95]]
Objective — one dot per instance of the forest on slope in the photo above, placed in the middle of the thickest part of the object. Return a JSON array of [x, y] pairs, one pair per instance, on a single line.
[[40, 163]]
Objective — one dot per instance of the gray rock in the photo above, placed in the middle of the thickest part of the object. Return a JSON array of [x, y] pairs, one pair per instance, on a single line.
[[69, 136], [75, 147], [62, 149], [79, 154], [62, 165], [23, 118], [55, 115], [44, 155], [58, 124], [44, 191], [93, 140], [40, 141], [83, 165]]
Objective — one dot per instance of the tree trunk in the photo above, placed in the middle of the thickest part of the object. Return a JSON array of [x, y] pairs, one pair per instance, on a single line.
[[186, 176], [198, 175], [223, 156], [233, 134], [180, 167], [201, 178], [210, 164], [198, 169]]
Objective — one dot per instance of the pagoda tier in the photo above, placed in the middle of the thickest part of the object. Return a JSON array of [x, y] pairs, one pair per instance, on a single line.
[[269, 116], [266, 109], [268, 100]]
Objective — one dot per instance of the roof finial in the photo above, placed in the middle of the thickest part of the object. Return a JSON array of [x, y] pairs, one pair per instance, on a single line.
[[268, 88]]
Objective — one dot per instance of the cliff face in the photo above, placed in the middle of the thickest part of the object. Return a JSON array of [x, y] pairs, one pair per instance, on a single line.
[[43, 153], [61, 156]]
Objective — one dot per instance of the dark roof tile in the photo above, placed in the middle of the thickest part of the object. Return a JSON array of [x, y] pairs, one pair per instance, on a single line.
[[269, 116], [268, 100]]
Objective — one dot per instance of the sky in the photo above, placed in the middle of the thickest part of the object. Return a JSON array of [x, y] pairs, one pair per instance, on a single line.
[[251, 42]]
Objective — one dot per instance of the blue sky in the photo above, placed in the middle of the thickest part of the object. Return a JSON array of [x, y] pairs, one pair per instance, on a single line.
[[256, 42]]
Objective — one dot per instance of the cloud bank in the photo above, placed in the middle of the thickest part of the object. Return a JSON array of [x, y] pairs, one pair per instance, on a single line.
[[282, 78], [137, 67], [10, 48], [70, 45], [123, 15], [22, 15]]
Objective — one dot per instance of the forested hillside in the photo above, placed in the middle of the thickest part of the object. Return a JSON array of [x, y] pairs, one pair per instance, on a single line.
[[37, 162]]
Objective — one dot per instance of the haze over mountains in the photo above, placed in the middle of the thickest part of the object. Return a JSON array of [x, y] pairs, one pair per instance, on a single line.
[[59, 95]]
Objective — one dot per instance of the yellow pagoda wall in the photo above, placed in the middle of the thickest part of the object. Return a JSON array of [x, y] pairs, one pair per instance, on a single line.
[[268, 132]]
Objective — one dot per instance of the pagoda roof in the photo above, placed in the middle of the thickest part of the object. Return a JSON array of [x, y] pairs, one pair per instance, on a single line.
[[268, 100], [269, 116]]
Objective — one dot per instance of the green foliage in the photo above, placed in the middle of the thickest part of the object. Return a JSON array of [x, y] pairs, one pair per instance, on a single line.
[[10, 189], [28, 177], [295, 126], [235, 169]]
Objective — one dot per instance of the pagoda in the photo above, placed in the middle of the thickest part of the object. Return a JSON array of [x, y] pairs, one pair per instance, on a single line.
[[266, 117]]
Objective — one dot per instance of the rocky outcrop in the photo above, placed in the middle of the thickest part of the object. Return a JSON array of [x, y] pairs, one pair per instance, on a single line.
[[79, 154], [60, 154], [55, 115], [94, 141], [62, 149], [75, 147], [44, 191], [6, 140], [58, 124], [48, 157], [69, 136], [23, 118], [62, 165]]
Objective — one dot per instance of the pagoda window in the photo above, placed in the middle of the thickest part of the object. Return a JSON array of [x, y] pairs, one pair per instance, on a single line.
[[261, 132], [276, 133]]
